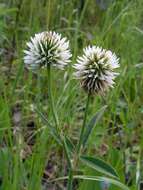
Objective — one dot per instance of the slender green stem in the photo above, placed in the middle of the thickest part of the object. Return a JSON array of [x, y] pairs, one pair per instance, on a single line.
[[70, 175], [57, 126], [70, 179], [83, 125], [51, 97]]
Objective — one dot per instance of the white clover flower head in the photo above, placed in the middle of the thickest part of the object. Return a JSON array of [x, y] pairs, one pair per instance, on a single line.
[[95, 68], [47, 48]]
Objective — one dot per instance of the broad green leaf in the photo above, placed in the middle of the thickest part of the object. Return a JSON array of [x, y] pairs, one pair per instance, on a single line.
[[92, 124], [99, 165]]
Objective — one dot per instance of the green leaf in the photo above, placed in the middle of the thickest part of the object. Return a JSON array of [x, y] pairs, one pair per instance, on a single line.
[[99, 165], [92, 124], [95, 178], [103, 179], [51, 128], [67, 152], [70, 145]]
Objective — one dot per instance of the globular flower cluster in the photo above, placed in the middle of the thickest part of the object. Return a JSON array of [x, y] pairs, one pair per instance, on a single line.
[[96, 69], [47, 48]]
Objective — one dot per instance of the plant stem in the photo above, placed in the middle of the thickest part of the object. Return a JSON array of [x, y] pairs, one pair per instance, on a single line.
[[70, 179], [57, 126], [70, 173], [51, 97], [83, 125]]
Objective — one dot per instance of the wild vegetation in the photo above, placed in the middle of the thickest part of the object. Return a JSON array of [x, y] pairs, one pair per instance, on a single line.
[[32, 156]]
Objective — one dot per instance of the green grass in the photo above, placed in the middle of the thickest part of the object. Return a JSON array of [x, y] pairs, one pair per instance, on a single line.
[[27, 149]]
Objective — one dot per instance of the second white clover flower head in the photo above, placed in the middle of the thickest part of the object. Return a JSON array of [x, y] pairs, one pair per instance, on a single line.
[[47, 48], [96, 69]]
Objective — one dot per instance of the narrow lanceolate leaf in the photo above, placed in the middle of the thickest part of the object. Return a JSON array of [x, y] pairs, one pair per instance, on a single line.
[[70, 145], [50, 127], [92, 124], [99, 165], [67, 152], [103, 179], [95, 178]]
